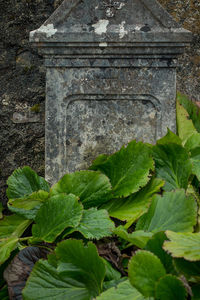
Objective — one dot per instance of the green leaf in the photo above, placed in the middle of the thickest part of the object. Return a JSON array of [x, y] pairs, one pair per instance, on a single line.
[[173, 165], [169, 138], [192, 142], [111, 273], [128, 169], [170, 287], [192, 109], [174, 211], [188, 268], [131, 208], [138, 238], [195, 159], [112, 283], [46, 283], [124, 291], [13, 226], [185, 126], [145, 269], [98, 161], [6, 247], [193, 190], [28, 206], [4, 293], [93, 188], [79, 275], [186, 245], [82, 264], [196, 292], [56, 214], [1, 209], [154, 245], [24, 182], [95, 224]]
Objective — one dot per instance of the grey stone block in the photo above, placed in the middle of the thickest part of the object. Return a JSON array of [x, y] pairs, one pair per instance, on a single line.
[[111, 78]]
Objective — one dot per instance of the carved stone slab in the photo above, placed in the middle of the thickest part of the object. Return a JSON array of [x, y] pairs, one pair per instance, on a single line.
[[111, 78]]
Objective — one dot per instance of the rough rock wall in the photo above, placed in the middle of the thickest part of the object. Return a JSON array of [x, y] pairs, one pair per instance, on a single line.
[[187, 13], [22, 78]]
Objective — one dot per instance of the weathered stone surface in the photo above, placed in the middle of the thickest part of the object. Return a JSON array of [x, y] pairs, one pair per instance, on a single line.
[[22, 85], [98, 110], [111, 78], [187, 13], [23, 144]]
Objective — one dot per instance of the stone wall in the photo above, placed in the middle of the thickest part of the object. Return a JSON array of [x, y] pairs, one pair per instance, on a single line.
[[22, 78], [187, 13]]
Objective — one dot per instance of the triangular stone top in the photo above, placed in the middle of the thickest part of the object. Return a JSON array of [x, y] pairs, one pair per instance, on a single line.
[[90, 21]]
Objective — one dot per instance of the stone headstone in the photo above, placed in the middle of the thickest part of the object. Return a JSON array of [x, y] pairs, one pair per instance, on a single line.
[[111, 78]]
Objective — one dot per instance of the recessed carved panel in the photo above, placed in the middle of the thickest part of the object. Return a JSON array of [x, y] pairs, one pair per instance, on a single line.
[[97, 124]]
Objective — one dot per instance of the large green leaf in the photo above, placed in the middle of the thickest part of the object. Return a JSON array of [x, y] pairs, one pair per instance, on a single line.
[[13, 226], [174, 211], [95, 224], [191, 108], [56, 214], [196, 292], [28, 206], [112, 277], [131, 208], [193, 189], [169, 138], [198, 220], [112, 283], [195, 159], [46, 283], [7, 245], [128, 169], [185, 126], [1, 210], [111, 273], [170, 287], [138, 238], [186, 245], [98, 161], [154, 245], [81, 263], [192, 142], [4, 293], [145, 269], [124, 291], [24, 182], [79, 275], [93, 188], [173, 165], [189, 269]]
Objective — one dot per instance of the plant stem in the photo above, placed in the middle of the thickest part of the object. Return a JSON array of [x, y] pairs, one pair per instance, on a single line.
[[25, 238]]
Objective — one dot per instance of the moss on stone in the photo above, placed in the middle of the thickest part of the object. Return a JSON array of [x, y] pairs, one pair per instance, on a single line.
[[36, 108]]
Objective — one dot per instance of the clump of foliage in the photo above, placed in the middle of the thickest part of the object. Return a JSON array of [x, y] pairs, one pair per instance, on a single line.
[[143, 198]]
